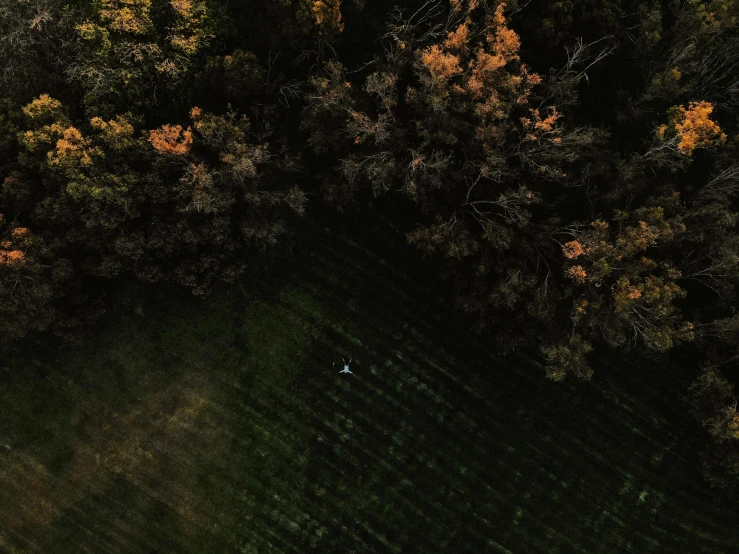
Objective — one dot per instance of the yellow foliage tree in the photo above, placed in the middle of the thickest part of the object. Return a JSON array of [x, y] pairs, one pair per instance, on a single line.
[[65, 145], [189, 33], [43, 106], [118, 133], [72, 150], [127, 16], [88, 166], [123, 51]]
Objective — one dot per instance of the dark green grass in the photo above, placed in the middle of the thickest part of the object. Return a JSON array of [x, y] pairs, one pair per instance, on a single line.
[[224, 426]]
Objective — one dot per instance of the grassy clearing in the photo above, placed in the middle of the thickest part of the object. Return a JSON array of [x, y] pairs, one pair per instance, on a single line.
[[222, 426]]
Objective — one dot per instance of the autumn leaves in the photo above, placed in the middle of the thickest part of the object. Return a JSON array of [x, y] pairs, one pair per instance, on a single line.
[[475, 57], [687, 129], [126, 55], [171, 139], [539, 222], [641, 290], [453, 119]]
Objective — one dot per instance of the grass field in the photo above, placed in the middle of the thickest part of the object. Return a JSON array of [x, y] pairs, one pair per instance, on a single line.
[[222, 426]]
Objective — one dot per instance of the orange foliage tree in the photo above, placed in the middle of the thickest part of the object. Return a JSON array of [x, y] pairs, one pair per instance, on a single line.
[[26, 289], [688, 129], [171, 139], [628, 294], [218, 175]]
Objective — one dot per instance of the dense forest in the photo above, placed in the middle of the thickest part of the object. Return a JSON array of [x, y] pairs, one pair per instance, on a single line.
[[569, 167]]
